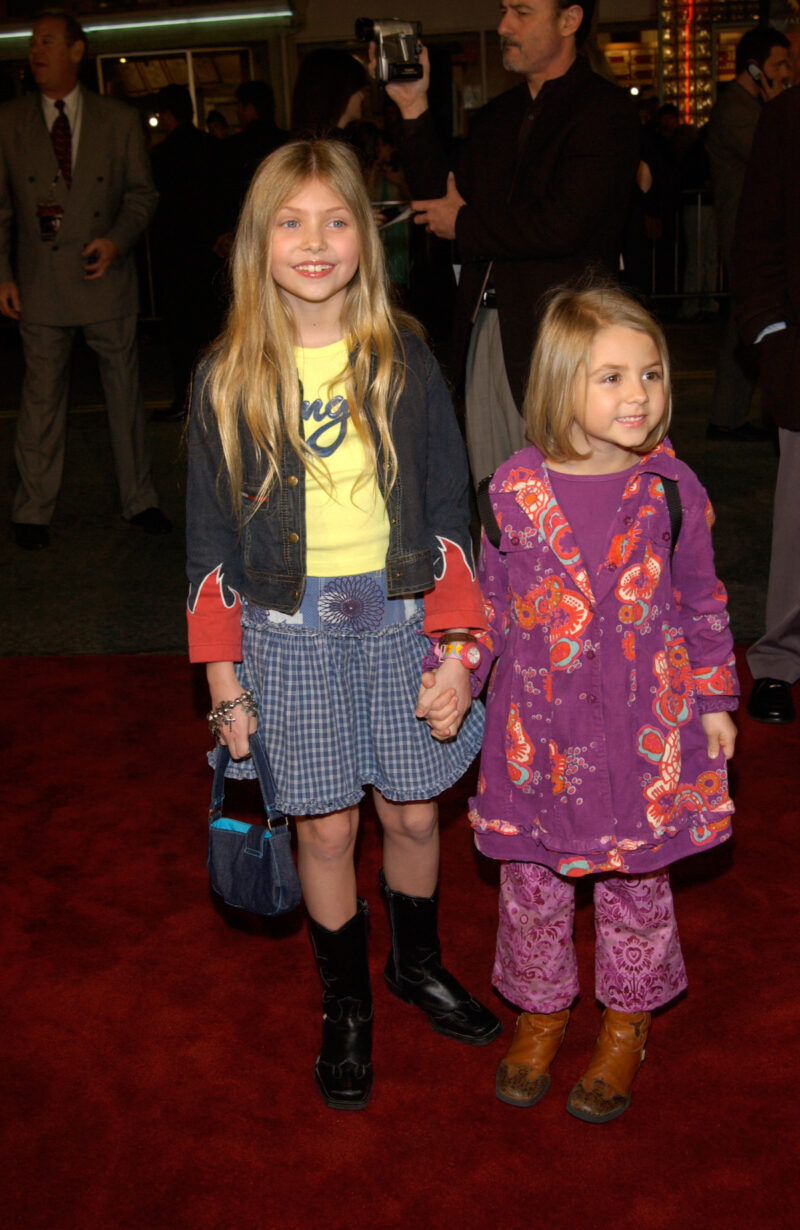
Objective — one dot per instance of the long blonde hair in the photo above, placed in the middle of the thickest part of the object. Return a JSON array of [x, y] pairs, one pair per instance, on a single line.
[[560, 363], [253, 378]]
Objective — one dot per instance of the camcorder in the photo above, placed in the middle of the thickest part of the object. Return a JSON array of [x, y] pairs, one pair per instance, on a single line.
[[397, 47]]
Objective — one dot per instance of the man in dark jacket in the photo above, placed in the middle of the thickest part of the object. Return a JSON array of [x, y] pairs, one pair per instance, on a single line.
[[731, 128], [185, 227], [766, 287], [243, 153], [539, 195]]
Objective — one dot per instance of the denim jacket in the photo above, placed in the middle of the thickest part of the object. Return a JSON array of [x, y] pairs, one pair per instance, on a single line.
[[263, 559]]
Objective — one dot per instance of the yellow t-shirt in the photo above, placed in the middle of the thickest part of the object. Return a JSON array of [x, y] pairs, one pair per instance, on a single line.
[[347, 529]]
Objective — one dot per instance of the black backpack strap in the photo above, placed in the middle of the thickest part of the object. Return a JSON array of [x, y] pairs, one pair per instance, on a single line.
[[492, 529], [675, 509], [486, 512]]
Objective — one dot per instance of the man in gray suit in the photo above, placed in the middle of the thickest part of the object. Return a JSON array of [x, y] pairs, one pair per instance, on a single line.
[[75, 179]]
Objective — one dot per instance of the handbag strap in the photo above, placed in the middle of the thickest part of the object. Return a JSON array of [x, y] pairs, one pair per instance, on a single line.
[[265, 780]]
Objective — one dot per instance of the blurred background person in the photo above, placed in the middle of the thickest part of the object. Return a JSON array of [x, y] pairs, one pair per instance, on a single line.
[[766, 287], [184, 229], [701, 264], [328, 93], [242, 154], [763, 70], [667, 142], [389, 194], [217, 126]]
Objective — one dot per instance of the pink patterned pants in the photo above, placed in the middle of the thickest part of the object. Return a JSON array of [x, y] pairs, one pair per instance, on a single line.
[[638, 960]]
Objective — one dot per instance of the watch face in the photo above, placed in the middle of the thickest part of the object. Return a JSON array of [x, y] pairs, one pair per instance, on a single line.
[[471, 656]]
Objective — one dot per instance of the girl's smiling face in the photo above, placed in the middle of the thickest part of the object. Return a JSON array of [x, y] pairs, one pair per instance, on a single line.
[[315, 251], [624, 398]]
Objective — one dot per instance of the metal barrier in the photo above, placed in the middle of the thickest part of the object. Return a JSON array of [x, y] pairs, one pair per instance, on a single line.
[[686, 262]]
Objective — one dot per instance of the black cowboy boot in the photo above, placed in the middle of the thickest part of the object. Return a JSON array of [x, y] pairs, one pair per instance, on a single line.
[[415, 973], [344, 1066]]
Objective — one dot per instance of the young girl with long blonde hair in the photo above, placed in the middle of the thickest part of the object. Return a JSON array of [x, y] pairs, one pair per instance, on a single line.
[[328, 527], [608, 725]]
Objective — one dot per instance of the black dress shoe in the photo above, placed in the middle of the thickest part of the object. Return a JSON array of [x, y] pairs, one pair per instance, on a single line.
[[31, 537], [747, 433], [771, 701], [152, 521]]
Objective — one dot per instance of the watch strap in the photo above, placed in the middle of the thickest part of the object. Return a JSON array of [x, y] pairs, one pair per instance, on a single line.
[[457, 638]]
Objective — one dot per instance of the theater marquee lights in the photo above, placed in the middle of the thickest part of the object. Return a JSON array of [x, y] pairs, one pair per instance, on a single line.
[[689, 53], [155, 23]]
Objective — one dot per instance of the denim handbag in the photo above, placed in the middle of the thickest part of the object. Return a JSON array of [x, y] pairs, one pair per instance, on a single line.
[[251, 865]]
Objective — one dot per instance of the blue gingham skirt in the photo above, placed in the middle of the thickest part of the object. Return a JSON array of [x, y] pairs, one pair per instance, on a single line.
[[337, 687]]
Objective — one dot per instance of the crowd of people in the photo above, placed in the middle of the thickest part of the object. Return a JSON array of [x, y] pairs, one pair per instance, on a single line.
[[334, 598]]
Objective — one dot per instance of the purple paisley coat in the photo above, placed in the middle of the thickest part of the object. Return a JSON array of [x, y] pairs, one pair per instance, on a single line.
[[594, 757]]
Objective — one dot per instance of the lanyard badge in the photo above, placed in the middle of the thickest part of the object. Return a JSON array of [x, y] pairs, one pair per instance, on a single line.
[[49, 214]]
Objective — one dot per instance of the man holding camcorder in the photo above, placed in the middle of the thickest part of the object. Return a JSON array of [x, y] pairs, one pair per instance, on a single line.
[[539, 194]]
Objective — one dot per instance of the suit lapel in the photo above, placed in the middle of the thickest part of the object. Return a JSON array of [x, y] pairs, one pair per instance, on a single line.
[[91, 150]]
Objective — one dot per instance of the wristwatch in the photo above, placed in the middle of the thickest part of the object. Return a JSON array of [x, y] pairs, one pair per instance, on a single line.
[[461, 645]]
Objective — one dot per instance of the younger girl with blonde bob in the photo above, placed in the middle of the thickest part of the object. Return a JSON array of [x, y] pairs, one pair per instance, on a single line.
[[328, 526], [608, 720]]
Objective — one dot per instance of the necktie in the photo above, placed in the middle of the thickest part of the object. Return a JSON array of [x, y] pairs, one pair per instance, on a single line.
[[61, 136]]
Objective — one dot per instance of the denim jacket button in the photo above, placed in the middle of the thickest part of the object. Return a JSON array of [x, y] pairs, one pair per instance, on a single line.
[[293, 537], [292, 480]]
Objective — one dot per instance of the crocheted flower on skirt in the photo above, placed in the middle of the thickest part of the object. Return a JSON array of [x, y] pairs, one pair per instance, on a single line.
[[352, 604]]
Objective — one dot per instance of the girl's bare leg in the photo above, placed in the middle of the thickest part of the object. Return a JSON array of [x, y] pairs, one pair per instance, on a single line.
[[325, 846], [410, 845]]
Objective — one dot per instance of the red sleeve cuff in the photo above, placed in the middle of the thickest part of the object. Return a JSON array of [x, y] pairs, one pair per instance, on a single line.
[[455, 600], [214, 625]]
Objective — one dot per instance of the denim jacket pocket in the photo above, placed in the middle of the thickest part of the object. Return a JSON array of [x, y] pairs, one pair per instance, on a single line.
[[271, 549]]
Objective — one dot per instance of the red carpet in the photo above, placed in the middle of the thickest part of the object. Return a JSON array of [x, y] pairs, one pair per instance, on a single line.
[[157, 1061]]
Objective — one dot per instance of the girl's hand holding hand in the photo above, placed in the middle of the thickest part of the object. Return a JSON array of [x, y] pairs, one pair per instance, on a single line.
[[445, 699], [438, 709], [720, 733], [235, 733]]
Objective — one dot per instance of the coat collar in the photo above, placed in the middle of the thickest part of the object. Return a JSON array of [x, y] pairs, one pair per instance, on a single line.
[[526, 477]]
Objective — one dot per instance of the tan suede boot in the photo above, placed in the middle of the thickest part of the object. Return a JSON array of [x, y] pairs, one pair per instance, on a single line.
[[604, 1090], [523, 1076]]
